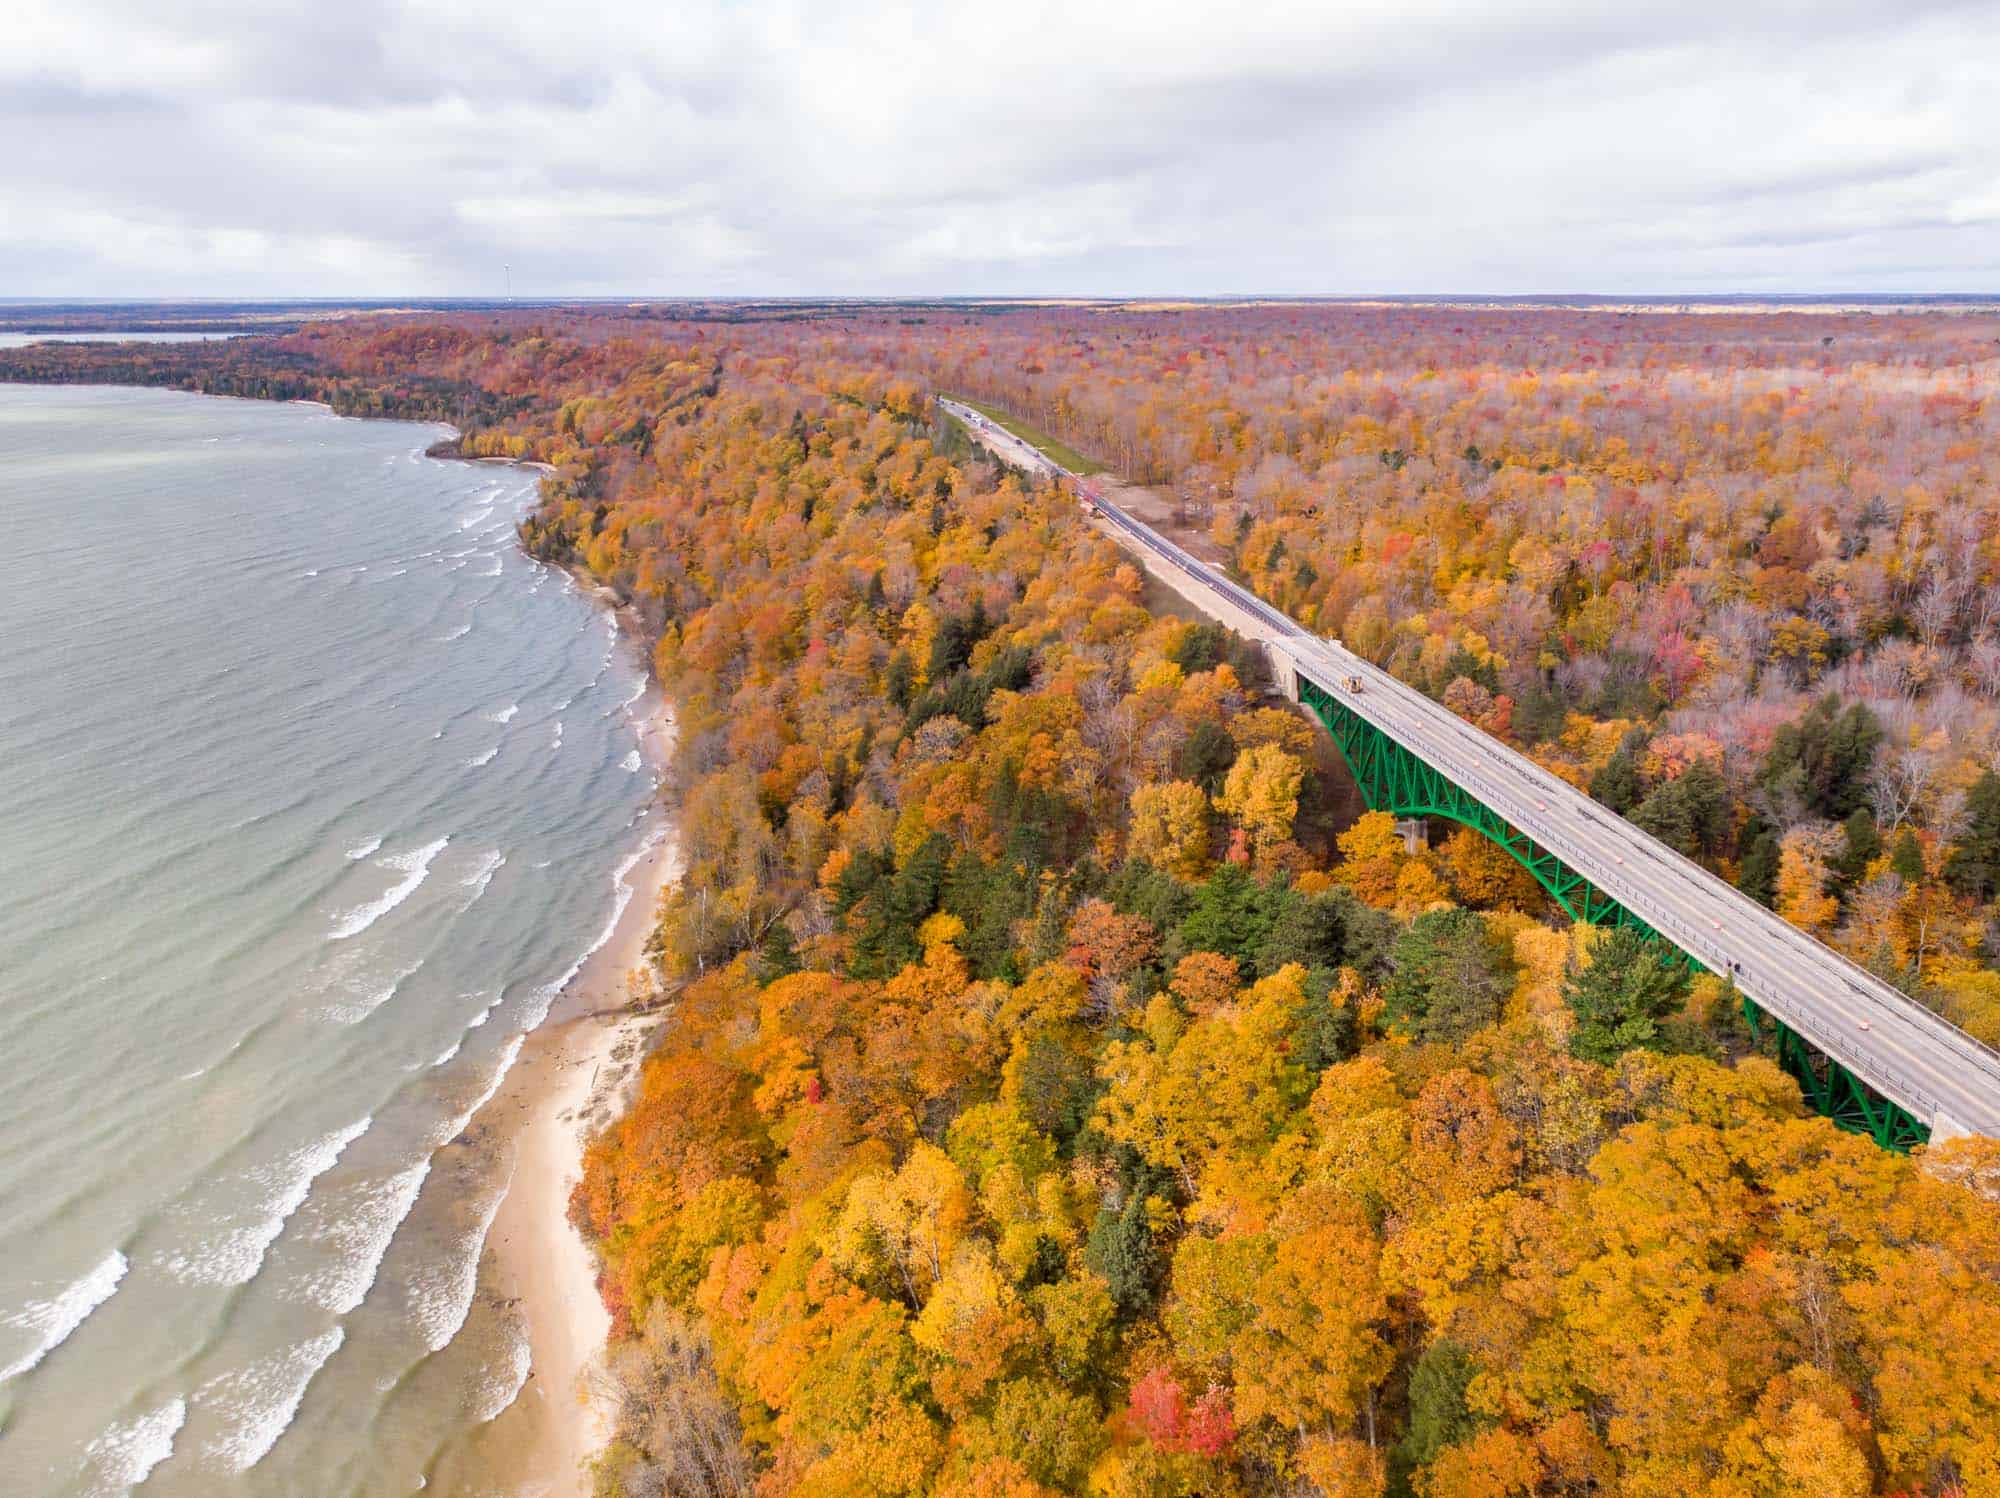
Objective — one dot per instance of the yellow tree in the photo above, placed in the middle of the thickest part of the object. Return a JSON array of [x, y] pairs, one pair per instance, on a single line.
[[1371, 856], [1170, 827], [1262, 793], [1485, 876], [1311, 1351], [1805, 867], [1224, 1083], [908, 1222]]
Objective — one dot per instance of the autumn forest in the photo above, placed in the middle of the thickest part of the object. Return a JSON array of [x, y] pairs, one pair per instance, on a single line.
[[1067, 1086]]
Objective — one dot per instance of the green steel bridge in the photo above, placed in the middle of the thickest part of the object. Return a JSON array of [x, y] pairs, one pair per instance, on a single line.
[[1864, 1054]]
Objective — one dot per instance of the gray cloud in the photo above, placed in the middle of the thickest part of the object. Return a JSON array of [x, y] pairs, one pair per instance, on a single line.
[[382, 147]]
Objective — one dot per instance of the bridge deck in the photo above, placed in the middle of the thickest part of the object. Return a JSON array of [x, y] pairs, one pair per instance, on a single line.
[[1936, 1071]]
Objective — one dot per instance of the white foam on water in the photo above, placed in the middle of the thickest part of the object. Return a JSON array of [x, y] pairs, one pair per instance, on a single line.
[[505, 1387], [496, 569], [543, 999], [622, 892], [556, 742], [637, 692], [475, 518], [415, 866], [482, 876], [564, 704], [447, 1055], [125, 1455], [458, 634], [631, 763], [444, 1288], [372, 997], [480, 760], [261, 1399], [508, 1054], [51, 1321], [505, 715], [363, 1240], [362, 850], [234, 1256]]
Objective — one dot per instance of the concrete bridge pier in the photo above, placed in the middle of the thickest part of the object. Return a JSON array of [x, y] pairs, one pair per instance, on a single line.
[[1283, 675], [1416, 833]]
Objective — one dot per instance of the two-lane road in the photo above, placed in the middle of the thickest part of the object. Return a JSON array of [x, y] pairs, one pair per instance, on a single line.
[[1934, 1070]]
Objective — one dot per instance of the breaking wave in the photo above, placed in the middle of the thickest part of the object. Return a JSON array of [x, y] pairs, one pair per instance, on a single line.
[[262, 1399], [234, 1256], [125, 1455], [51, 1321], [415, 867]]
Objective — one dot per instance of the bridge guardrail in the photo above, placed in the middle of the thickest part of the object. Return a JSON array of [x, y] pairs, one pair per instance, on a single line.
[[1701, 944], [1894, 1080]]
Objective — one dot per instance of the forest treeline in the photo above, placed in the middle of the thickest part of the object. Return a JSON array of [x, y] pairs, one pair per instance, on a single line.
[[1060, 1098]]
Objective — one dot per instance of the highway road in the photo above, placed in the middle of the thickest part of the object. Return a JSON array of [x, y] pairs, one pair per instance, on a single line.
[[1934, 1070]]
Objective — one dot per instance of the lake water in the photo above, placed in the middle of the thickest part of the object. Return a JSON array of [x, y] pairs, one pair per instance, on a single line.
[[316, 791], [21, 340]]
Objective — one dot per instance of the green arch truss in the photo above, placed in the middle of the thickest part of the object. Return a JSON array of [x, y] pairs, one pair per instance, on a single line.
[[1391, 778]]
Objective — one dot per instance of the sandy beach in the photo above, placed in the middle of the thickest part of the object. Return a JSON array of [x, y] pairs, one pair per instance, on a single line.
[[571, 1079]]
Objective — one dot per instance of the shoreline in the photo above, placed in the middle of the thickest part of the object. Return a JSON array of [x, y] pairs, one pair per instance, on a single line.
[[571, 1078]]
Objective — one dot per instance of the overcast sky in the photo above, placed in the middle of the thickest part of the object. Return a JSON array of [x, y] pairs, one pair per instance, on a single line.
[[736, 147]]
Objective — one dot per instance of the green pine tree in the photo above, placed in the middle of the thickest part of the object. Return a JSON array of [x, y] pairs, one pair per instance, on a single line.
[[1974, 866], [1906, 859], [1619, 1000], [1864, 845], [1758, 876], [1447, 980]]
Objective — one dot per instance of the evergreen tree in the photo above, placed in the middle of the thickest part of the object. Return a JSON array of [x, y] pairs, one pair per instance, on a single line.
[[1690, 813], [1310, 930], [1206, 755], [899, 680], [1974, 866], [1231, 915], [1143, 890], [951, 646], [1447, 980], [1202, 647], [1617, 782], [1439, 1414], [1863, 847], [1325, 1031], [1057, 1087], [1619, 1000], [897, 906], [778, 957], [1907, 858], [1121, 1249], [990, 898], [1822, 760], [1758, 876]]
